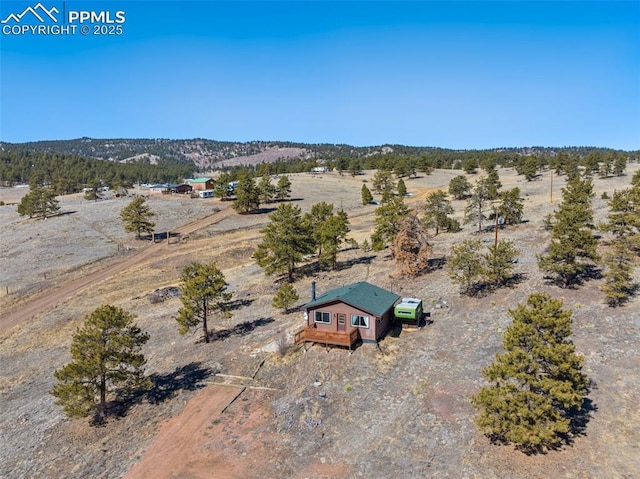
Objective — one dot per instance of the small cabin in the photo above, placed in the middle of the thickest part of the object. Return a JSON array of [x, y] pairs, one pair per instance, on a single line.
[[180, 188], [199, 184], [342, 316]]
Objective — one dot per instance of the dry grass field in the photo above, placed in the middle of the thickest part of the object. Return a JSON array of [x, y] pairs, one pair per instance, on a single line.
[[401, 410]]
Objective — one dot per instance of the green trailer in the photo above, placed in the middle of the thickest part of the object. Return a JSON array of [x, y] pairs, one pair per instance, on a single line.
[[409, 310]]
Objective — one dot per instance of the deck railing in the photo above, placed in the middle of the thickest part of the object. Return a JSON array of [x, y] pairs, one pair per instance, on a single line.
[[327, 337]]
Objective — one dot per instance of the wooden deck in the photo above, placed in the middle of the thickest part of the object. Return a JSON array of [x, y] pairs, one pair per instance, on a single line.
[[314, 335]]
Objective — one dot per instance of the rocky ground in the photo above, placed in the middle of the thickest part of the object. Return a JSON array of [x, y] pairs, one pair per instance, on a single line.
[[398, 411]]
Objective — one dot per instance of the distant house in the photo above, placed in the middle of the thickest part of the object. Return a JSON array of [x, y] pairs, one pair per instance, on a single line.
[[159, 188], [199, 184], [342, 316], [181, 188], [320, 169]]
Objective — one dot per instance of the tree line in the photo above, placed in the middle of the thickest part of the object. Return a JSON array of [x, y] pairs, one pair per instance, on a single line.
[[66, 174]]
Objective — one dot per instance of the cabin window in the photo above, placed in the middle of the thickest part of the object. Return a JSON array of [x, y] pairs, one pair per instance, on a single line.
[[322, 317], [359, 321]]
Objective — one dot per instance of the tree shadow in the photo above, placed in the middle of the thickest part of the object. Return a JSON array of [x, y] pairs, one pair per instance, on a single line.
[[580, 418], [436, 263], [238, 303], [340, 265], [185, 378], [163, 387], [241, 329]]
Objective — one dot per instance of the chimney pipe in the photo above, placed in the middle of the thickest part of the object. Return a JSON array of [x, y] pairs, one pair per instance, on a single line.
[[313, 290]]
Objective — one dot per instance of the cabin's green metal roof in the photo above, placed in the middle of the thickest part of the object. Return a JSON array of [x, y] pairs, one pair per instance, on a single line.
[[362, 295], [200, 180]]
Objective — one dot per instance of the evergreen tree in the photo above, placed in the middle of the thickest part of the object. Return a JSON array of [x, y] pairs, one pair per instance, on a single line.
[[619, 164], [459, 187], [528, 166], [354, 166], [266, 189], [402, 188], [388, 217], [437, 210], [283, 190], [367, 197], [478, 203], [624, 217], [286, 240], [511, 206], [618, 284], [221, 188], [383, 183], [470, 166], [204, 292], [94, 191], [573, 247], [106, 359], [332, 233], [285, 297], [320, 212], [247, 196], [492, 183], [40, 202], [537, 383], [136, 217], [499, 263], [466, 265], [411, 248]]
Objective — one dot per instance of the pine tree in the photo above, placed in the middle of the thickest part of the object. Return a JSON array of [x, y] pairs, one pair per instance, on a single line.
[[492, 182], [511, 206], [528, 166], [573, 246], [499, 263], [94, 191], [624, 217], [266, 189], [437, 210], [136, 217], [410, 247], [459, 187], [283, 190], [537, 383], [401, 188], [40, 202], [478, 203], [286, 240], [383, 183], [314, 220], [285, 297], [247, 196], [466, 265], [388, 217], [618, 284], [332, 233], [221, 188], [106, 359], [204, 292], [367, 197]]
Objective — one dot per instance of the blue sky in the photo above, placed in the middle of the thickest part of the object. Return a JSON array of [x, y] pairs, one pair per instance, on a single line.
[[449, 74]]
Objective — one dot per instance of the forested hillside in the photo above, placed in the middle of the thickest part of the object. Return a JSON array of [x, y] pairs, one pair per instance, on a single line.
[[67, 165]]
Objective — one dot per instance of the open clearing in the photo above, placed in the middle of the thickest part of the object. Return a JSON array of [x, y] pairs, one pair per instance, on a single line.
[[399, 411]]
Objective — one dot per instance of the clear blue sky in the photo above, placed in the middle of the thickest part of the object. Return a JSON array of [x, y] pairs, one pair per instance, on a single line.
[[449, 74]]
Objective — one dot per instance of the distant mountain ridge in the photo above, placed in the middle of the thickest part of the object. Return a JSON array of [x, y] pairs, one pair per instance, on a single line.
[[213, 153]]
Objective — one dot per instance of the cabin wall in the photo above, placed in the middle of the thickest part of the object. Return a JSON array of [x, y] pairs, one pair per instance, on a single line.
[[377, 326]]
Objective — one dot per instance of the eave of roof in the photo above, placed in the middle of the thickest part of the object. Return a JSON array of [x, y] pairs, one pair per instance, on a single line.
[[364, 296]]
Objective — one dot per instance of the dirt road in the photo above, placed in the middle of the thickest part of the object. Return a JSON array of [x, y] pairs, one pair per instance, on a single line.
[[179, 449], [50, 298]]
